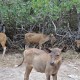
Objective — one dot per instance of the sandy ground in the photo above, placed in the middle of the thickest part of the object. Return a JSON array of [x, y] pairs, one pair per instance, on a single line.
[[69, 70]]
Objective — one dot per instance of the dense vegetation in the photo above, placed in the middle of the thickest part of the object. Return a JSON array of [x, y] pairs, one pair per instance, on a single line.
[[30, 12]]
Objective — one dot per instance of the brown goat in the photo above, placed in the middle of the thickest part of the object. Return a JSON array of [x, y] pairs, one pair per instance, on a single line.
[[47, 62], [3, 40], [38, 38]]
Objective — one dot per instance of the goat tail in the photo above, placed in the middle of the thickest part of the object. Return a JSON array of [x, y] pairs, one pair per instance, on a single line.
[[21, 62]]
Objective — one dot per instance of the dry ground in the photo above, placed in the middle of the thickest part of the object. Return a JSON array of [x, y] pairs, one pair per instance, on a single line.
[[69, 70]]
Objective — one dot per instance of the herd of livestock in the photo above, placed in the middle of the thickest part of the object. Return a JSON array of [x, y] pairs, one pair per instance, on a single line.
[[45, 61]]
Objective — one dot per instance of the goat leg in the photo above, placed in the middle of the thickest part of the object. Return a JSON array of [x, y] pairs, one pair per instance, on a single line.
[[47, 76], [28, 70], [54, 77]]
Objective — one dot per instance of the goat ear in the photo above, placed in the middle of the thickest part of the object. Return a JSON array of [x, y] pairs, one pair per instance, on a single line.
[[48, 50]]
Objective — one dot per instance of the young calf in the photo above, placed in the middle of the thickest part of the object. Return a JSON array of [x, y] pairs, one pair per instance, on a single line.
[[3, 39], [38, 38], [47, 62]]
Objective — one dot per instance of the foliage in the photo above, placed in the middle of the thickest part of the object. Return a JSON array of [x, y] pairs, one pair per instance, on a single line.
[[18, 12]]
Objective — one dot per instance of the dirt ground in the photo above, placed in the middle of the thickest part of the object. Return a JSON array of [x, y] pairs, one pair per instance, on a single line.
[[69, 70]]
